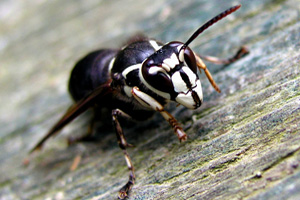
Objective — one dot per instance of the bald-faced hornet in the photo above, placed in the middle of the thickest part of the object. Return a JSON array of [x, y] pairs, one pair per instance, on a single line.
[[139, 80]]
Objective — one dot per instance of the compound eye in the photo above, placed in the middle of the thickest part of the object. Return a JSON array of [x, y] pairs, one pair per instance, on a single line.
[[190, 59], [158, 78]]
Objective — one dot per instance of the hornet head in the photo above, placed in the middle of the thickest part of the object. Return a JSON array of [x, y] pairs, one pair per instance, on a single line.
[[171, 71]]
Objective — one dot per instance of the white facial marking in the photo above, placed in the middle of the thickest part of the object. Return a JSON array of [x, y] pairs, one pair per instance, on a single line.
[[181, 55], [172, 61], [166, 67], [154, 70], [179, 47], [198, 90], [178, 83], [187, 99], [190, 74]]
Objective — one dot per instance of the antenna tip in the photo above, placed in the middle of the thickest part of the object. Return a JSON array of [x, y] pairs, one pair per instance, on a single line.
[[237, 6], [232, 9]]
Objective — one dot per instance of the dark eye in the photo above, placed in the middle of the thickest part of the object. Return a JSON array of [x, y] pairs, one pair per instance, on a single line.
[[190, 59], [157, 78]]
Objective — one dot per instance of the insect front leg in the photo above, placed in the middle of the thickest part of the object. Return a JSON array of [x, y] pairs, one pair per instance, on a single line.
[[123, 192], [149, 101]]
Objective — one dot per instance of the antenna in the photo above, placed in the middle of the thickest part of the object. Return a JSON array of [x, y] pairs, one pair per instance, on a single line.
[[208, 24]]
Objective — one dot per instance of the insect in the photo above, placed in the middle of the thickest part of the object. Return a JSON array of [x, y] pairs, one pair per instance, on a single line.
[[137, 81]]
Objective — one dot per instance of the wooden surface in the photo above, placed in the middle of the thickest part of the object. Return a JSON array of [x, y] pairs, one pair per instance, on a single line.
[[243, 143]]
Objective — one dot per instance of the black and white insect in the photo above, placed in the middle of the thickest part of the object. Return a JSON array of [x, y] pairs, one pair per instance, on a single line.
[[137, 81]]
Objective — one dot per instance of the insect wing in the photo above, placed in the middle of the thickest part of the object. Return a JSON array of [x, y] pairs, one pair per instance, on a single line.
[[74, 111]]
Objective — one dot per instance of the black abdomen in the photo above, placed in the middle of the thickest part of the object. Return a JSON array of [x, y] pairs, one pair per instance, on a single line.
[[90, 72]]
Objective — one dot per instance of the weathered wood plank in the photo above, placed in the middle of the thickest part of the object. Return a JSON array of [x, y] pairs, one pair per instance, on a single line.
[[243, 143]]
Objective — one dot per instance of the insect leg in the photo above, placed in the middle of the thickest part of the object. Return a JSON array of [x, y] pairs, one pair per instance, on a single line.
[[239, 54], [148, 101], [201, 65], [123, 192]]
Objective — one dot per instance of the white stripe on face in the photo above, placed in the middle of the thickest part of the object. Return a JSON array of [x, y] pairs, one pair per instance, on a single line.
[[187, 100], [181, 53], [190, 74], [155, 70], [172, 61], [189, 88], [178, 83], [198, 90]]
